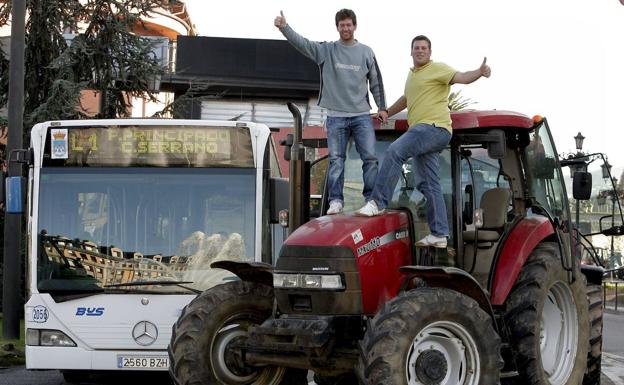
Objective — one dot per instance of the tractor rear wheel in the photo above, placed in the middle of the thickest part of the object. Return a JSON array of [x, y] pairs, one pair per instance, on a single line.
[[594, 357], [431, 336], [200, 350], [548, 320]]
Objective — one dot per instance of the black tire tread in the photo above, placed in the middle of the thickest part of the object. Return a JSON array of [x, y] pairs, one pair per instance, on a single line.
[[380, 350], [187, 366], [594, 356], [523, 305]]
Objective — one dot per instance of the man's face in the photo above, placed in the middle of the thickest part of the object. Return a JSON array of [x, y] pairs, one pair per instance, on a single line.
[[421, 53], [346, 29]]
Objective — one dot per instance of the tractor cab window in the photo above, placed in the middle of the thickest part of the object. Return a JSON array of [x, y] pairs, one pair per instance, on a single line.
[[479, 174], [544, 179], [406, 193]]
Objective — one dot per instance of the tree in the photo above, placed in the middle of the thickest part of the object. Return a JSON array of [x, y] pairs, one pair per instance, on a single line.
[[106, 56], [457, 102]]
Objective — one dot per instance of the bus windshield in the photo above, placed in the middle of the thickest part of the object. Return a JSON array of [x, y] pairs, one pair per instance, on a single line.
[[102, 227]]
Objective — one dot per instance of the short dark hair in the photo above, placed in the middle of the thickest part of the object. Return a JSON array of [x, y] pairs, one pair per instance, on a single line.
[[422, 38], [346, 14]]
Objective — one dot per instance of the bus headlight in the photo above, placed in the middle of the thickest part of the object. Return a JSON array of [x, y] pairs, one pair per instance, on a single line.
[[47, 337], [308, 281]]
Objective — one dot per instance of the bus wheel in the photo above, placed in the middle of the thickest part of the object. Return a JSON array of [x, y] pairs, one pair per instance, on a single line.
[[431, 336], [548, 320], [199, 349]]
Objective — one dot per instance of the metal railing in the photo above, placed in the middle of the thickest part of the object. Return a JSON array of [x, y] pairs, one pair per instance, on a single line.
[[610, 286]]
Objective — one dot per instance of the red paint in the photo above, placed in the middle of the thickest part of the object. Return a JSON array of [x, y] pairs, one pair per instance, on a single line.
[[380, 278], [518, 246], [472, 119]]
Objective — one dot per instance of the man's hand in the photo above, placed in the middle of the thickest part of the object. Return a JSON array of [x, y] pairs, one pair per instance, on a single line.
[[381, 115], [485, 69], [280, 21]]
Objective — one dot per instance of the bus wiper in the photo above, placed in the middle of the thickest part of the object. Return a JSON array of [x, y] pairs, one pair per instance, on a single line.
[[160, 283]]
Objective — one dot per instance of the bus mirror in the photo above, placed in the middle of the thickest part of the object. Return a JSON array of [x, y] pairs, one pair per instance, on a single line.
[[15, 189], [279, 198], [582, 185]]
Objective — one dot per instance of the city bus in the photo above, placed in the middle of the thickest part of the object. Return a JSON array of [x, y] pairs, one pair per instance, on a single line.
[[125, 218]]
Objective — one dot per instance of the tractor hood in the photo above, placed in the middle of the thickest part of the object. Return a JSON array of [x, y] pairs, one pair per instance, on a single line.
[[366, 252], [350, 230]]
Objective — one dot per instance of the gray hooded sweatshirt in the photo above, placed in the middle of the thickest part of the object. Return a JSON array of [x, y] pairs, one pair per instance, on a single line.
[[346, 71]]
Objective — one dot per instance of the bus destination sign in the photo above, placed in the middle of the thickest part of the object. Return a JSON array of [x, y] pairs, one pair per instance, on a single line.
[[157, 146]]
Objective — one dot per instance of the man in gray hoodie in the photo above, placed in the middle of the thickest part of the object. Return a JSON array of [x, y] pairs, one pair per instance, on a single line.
[[347, 68]]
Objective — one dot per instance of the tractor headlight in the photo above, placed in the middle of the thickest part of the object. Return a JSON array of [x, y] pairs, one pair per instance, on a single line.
[[308, 281]]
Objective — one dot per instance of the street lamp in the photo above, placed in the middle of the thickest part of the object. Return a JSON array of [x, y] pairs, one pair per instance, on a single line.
[[579, 156], [579, 141], [606, 170]]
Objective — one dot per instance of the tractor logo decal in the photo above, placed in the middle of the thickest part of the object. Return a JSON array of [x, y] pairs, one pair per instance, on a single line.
[[370, 245], [357, 236], [380, 241]]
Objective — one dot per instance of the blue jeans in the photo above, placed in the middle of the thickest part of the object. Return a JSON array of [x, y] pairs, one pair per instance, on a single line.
[[338, 131], [422, 143]]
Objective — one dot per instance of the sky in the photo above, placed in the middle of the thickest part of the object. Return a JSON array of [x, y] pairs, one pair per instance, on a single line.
[[562, 59]]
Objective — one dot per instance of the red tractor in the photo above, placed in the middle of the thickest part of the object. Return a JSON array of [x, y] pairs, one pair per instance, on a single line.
[[353, 300]]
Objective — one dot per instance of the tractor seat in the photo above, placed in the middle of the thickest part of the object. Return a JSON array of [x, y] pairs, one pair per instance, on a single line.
[[495, 203]]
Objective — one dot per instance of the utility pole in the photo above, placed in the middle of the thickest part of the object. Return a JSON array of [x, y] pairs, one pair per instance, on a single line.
[[11, 287]]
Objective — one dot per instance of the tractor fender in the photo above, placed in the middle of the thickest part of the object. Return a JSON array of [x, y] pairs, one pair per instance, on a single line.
[[257, 272], [593, 274], [451, 278], [519, 244]]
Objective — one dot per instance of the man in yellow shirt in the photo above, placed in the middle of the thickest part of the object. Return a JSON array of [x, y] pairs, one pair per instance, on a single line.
[[426, 99]]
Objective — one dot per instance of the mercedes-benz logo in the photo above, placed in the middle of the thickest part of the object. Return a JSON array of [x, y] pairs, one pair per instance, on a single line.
[[145, 333]]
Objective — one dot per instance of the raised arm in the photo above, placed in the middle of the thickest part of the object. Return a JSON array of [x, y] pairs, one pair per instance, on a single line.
[[470, 76], [311, 49]]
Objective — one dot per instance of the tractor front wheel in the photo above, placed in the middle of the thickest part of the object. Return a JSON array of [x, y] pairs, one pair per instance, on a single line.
[[201, 343], [431, 336]]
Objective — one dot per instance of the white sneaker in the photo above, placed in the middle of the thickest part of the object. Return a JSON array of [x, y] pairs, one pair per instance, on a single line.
[[370, 209], [432, 240], [335, 207]]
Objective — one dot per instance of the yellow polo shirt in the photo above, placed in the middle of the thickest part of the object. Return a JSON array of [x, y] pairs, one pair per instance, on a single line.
[[426, 91]]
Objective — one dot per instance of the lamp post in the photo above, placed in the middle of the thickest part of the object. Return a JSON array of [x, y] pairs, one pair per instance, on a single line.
[[614, 196], [578, 140]]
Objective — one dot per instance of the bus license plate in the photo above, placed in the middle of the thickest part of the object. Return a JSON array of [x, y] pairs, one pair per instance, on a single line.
[[142, 362]]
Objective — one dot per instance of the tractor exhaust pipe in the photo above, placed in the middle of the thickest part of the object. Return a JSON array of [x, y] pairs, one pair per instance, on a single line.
[[299, 182]]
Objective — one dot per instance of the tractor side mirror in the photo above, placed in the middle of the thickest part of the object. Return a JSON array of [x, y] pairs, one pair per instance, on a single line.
[[279, 198], [15, 194], [582, 185]]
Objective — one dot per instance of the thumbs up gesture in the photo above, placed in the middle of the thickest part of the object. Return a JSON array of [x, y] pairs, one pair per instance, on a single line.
[[280, 21], [485, 69]]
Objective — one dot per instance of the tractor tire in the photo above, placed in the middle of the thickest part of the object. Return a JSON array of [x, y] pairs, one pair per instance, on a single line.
[[431, 336], [198, 350], [594, 357], [548, 320], [345, 379]]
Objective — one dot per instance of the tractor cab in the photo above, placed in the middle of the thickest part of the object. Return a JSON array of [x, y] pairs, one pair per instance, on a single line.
[[481, 175]]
